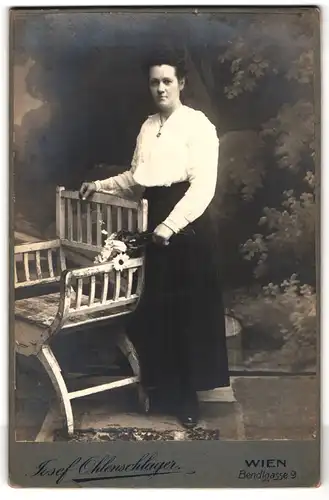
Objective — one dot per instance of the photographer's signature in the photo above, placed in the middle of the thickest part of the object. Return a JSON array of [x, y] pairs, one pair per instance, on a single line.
[[100, 468]]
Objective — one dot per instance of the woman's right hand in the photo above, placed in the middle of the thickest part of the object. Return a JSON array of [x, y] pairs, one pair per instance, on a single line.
[[87, 189]]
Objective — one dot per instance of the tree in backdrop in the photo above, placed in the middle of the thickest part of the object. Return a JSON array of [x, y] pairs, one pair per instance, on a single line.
[[283, 251]]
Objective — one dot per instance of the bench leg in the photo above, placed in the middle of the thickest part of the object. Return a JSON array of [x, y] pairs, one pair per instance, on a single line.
[[47, 358], [128, 350]]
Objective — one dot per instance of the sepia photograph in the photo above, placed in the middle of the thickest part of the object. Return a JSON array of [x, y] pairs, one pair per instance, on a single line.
[[165, 229]]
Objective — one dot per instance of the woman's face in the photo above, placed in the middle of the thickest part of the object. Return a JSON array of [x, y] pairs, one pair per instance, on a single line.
[[165, 87]]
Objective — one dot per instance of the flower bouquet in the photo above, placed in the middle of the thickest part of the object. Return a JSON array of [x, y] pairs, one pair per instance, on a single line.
[[119, 247]]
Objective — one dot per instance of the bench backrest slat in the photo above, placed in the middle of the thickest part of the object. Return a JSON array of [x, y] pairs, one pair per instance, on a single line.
[[88, 222], [80, 226]]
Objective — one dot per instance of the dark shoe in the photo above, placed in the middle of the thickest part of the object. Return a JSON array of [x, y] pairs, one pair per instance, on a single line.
[[188, 411], [188, 420]]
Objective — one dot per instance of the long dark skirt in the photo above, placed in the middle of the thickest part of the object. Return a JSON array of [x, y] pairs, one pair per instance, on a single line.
[[179, 327]]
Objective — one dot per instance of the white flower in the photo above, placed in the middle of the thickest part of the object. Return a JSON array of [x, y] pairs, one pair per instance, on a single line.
[[119, 246], [119, 261], [111, 248], [112, 236]]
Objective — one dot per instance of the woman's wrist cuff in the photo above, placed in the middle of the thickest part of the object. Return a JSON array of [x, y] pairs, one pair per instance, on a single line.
[[98, 185], [171, 225]]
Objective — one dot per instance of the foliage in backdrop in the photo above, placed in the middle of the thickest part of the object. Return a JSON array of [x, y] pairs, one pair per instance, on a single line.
[[252, 74], [283, 249]]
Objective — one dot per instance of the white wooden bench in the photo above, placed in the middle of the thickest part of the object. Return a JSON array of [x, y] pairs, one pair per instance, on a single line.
[[87, 294]]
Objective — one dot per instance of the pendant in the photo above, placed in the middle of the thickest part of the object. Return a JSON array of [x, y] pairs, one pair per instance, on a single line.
[[160, 128]]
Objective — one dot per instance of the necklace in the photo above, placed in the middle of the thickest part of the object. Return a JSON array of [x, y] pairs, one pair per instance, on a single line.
[[160, 128], [163, 120]]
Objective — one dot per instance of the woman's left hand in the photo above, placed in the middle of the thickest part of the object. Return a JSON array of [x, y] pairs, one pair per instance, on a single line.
[[162, 234]]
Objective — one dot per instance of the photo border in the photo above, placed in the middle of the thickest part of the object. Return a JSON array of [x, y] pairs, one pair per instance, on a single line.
[[204, 464]]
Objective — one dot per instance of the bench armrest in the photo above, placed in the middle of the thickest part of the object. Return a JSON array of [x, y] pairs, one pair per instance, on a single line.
[[34, 263], [79, 296]]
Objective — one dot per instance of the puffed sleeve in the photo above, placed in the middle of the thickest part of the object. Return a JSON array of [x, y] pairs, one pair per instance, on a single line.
[[202, 175]]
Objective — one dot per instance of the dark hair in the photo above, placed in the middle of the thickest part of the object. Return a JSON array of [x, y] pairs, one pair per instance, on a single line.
[[168, 57]]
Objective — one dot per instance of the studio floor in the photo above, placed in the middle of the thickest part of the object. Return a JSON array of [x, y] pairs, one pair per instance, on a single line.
[[256, 408]]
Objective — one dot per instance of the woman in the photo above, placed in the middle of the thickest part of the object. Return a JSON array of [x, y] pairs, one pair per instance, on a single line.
[[178, 328]]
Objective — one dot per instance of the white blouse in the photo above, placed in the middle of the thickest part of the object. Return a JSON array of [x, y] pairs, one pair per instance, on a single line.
[[185, 148]]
